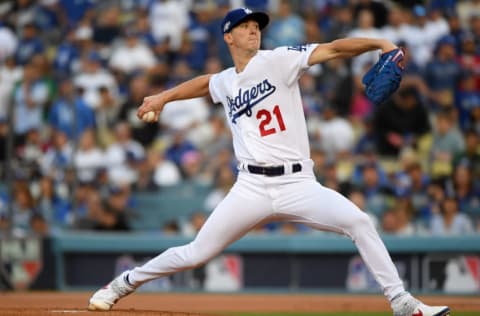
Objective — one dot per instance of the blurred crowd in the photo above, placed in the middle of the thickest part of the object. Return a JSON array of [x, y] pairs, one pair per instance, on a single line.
[[74, 154]]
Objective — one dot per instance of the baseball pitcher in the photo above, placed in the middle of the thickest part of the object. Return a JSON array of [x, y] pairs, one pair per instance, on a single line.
[[262, 102]]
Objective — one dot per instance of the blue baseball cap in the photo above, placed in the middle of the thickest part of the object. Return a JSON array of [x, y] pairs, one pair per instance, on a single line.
[[237, 16]]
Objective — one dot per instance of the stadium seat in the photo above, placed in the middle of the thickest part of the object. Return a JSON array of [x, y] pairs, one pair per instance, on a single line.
[[153, 210]]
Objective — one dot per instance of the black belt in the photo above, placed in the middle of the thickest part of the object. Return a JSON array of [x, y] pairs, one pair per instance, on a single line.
[[273, 171]]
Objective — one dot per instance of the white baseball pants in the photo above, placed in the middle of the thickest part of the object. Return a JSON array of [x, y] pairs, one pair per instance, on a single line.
[[294, 197]]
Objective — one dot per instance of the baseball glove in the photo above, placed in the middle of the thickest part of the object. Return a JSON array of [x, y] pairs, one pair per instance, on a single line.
[[383, 79]]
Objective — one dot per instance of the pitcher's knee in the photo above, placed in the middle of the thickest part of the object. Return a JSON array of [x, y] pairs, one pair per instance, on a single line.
[[362, 223]]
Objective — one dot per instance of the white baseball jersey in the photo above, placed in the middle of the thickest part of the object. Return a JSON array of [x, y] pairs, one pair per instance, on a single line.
[[265, 114], [264, 106]]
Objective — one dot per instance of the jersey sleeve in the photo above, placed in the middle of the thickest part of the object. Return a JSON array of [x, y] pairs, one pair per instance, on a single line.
[[214, 87], [292, 61]]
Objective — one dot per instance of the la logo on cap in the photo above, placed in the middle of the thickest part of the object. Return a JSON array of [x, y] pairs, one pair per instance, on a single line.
[[227, 26], [247, 11]]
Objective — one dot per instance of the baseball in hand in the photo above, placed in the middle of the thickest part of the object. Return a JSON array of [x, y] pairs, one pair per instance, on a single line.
[[149, 117]]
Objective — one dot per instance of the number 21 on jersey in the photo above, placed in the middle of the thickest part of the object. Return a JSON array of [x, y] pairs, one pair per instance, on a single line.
[[267, 127]]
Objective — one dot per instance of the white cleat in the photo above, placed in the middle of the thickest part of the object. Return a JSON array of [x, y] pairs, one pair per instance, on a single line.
[[106, 297], [407, 305], [425, 310]]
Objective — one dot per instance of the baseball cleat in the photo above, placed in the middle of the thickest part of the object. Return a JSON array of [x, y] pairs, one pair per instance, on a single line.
[[407, 305], [106, 297], [425, 310]]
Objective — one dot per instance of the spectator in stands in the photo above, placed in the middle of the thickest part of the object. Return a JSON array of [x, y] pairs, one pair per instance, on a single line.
[[286, 29], [403, 211], [389, 222], [341, 22], [42, 63], [413, 75], [169, 19], [418, 188], [184, 114], [122, 155], [91, 77], [30, 153], [80, 199], [330, 177], [470, 156], [376, 193], [141, 24], [396, 26], [467, 190], [69, 113], [447, 142], [443, 73], [475, 118], [29, 44], [319, 158], [30, 98], [106, 116], [39, 226], [198, 34], [3, 144], [50, 20], [368, 155], [475, 28], [334, 133], [367, 139], [171, 228], [196, 221], [216, 158], [145, 173], [450, 221], [312, 102], [423, 34], [177, 147], [76, 10], [223, 182], [98, 217], [456, 30], [336, 84], [89, 158], [400, 122], [118, 205], [365, 28], [4, 224], [84, 37], [67, 55], [58, 157], [54, 208], [191, 166], [10, 74], [9, 42], [165, 171], [106, 26], [131, 55], [401, 179], [466, 10], [23, 208], [467, 98], [377, 9]]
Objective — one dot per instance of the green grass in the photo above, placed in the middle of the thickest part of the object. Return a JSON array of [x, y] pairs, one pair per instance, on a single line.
[[340, 314]]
